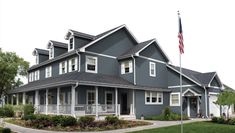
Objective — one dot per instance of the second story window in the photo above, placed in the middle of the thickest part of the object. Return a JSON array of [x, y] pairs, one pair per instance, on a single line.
[[63, 67], [37, 59], [48, 72], [152, 69], [73, 64], [126, 67], [71, 44], [36, 75], [91, 64], [51, 52]]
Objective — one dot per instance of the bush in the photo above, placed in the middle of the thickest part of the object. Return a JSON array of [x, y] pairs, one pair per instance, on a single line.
[[221, 120], [214, 119], [231, 121], [6, 130], [29, 117], [85, 121], [68, 121], [28, 109], [112, 119], [6, 111], [56, 120], [167, 113]]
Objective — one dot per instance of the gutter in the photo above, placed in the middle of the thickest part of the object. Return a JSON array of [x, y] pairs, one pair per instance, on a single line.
[[79, 58], [134, 69]]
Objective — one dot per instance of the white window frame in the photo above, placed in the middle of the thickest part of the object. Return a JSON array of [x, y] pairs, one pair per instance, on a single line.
[[175, 93], [72, 37], [130, 65], [29, 77], [151, 95], [154, 69], [48, 68], [51, 52], [75, 63], [37, 59], [32, 76], [96, 64], [36, 75], [90, 91], [60, 67]]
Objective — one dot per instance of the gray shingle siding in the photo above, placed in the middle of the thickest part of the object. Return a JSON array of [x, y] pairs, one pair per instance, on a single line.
[[43, 58], [59, 51], [80, 42]]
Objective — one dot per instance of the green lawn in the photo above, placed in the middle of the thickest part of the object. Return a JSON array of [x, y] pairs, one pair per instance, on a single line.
[[197, 127]]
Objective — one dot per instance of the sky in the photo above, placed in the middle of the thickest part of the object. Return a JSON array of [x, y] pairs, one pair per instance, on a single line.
[[208, 27]]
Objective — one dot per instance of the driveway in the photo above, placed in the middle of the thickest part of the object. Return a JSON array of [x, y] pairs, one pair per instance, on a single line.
[[156, 124]]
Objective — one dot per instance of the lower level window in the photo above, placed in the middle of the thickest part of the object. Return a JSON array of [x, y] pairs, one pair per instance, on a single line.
[[153, 97], [175, 99], [91, 97]]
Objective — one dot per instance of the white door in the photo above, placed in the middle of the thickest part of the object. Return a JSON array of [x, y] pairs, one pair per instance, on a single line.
[[214, 108]]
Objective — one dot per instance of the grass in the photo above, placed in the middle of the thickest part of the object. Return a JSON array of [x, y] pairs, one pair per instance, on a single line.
[[197, 127]]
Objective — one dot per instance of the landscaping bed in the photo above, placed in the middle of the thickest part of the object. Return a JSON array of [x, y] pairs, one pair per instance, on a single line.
[[69, 123]]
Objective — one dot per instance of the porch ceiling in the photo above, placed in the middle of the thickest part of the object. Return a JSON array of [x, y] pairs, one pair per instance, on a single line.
[[83, 78]]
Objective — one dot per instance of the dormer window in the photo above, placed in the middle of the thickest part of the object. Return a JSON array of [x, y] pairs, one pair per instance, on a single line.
[[63, 67], [71, 44], [51, 52], [37, 59]]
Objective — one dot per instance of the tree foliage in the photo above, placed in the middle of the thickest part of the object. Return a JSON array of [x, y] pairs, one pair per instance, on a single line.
[[11, 66]]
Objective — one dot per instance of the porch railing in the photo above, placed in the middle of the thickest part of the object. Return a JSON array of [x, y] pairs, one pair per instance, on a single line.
[[52, 109], [65, 109], [41, 109]]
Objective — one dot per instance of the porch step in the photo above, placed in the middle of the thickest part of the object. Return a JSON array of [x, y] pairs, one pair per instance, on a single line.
[[127, 117]]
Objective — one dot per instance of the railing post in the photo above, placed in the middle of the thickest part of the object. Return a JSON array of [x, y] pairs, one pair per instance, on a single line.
[[96, 102], [46, 101], [58, 101], [73, 101], [23, 98], [116, 101]]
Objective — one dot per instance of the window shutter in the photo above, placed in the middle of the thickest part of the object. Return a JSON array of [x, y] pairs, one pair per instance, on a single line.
[[130, 66], [60, 68], [76, 63], [122, 68], [70, 65]]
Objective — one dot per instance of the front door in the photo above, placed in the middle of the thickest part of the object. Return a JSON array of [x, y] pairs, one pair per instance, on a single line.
[[193, 106], [124, 103]]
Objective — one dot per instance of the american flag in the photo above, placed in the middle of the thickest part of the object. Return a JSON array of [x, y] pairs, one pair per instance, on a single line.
[[180, 36]]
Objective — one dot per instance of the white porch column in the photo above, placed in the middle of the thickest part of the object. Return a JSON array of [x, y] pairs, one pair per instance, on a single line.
[[12, 99], [73, 100], [46, 101], [58, 101], [188, 107], [133, 102], [17, 99], [23, 98], [198, 106], [36, 100], [116, 101], [96, 102]]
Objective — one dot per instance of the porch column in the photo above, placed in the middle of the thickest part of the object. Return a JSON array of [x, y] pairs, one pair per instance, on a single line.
[[58, 101], [73, 100], [198, 106], [12, 99], [17, 99], [133, 102], [23, 98], [46, 101], [188, 106], [36, 100], [96, 102], [116, 101]]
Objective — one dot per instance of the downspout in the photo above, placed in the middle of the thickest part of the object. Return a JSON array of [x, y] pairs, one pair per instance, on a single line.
[[206, 97], [134, 69], [79, 59]]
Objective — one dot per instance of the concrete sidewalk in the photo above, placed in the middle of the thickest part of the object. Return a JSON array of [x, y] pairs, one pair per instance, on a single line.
[[156, 124]]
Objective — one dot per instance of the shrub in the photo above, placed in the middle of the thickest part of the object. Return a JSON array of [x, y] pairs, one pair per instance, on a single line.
[[214, 119], [56, 120], [6, 111], [231, 121], [221, 120], [167, 113], [6, 130], [112, 119], [85, 121], [68, 121], [29, 117], [28, 109]]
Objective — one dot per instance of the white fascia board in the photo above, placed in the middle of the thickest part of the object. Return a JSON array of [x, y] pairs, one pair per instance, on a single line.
[[138, 52], [68, 34], [185, 76], [169, 61], [212, 79], [190, 90]]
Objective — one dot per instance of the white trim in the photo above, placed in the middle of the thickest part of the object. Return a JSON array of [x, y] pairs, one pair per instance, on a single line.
[[188, 107], [75, 63], [178, 86], [134, 69], [130, 65], [212, 79], [173, 93], [104, 55], [50, 46], [213, 93], [71, 37], [65, 67], [216, 87], [48, 68], [190, 90], [151, 59], [138, 52], [184, 75], [154, 69], [96, 64], [150, 98], [108, 92], [88, 91]]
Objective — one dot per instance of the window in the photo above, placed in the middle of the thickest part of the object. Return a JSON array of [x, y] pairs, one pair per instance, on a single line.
[[48, 72], [175, 99], [91, 64], [126, 67], [90, 97], [71, 44], [51, 52], [36, 75], [73, 64], [152, 97], [32, 76], [152, 69], [63, 67], [37, 59]]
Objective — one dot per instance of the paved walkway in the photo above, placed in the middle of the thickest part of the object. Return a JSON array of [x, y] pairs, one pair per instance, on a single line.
[[156, 124]]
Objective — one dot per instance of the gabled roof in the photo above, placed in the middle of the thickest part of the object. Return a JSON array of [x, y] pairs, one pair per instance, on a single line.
[[79, 34], [40, 51], [140, 47], [205, 78], [57, 44], [82, 78]]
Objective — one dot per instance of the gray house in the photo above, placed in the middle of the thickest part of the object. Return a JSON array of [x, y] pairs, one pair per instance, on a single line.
[[113, 73]]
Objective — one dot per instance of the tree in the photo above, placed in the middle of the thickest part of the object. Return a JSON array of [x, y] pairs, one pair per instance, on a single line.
[[11, 66], [226, 98]]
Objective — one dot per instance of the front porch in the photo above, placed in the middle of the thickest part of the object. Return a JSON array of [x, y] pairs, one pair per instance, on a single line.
[[79, 100]]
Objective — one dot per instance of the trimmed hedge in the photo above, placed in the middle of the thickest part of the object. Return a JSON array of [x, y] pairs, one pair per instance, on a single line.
[[7, 111], [112, 120], [222, 120], [86, 121]]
